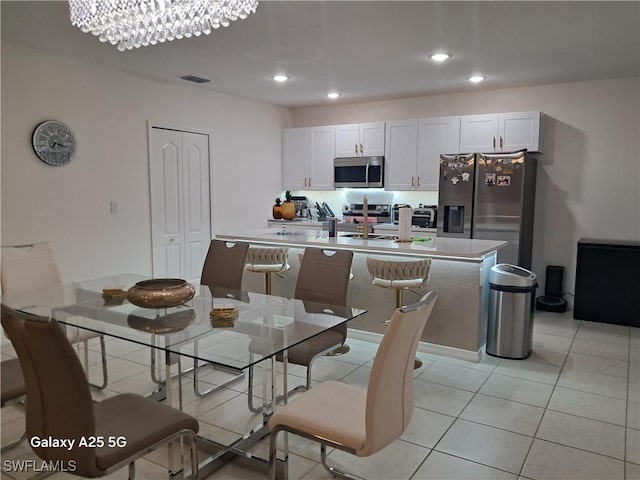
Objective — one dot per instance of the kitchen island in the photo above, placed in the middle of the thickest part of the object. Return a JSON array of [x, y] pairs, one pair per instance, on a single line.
[[459, 273]]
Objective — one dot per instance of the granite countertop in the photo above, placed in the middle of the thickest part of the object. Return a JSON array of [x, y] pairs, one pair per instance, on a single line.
[[452, 248]]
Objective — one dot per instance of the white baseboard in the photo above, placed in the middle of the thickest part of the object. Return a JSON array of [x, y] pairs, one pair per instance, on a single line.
[[423, 347]]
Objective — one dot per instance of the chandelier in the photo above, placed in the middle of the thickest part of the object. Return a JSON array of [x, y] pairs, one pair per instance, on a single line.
[[137, 23]]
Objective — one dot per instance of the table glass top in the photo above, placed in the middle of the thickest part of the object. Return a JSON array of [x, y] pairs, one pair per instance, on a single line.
[[263, 325]]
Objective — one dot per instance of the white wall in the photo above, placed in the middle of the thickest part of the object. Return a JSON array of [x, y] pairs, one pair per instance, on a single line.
[[588, 182], [108, 112]]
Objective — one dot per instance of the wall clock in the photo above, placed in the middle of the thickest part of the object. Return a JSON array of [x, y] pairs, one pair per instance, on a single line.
[[53, 143]]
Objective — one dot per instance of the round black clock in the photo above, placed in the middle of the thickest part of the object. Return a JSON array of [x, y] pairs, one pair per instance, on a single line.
[[53, 143]]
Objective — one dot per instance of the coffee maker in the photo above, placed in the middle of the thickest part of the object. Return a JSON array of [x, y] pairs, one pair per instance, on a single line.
[[301, 204]]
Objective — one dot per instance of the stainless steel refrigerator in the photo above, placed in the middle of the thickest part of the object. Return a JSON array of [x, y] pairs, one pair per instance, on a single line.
[[489, 196]]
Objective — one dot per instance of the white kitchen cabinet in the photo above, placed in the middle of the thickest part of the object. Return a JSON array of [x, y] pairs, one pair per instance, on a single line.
[[295, 165], [435, 136], [308, 155], [320, 153], [500, 132], [360, 139], [413, 148], [401, 155]]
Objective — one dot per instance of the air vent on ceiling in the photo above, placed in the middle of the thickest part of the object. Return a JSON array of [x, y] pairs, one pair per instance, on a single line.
[[194, 79]]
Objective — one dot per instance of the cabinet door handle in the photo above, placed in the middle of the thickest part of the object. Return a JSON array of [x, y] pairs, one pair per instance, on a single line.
[[500, 142], [356, 145], [418, 182], [305, 181], [413, 181], [494, 143], [361, 149], [309, 182]]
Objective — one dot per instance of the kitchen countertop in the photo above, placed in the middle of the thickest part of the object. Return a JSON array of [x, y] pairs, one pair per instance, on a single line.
[[441, 247]]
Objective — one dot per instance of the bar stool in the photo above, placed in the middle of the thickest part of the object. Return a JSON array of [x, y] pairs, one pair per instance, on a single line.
[[400, 274], [267, 260]]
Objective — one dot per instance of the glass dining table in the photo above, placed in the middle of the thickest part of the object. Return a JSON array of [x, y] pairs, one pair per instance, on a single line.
[[230, 330]]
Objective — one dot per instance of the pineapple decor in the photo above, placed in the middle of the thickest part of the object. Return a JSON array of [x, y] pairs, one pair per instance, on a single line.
[[277, 209], [288, 207]]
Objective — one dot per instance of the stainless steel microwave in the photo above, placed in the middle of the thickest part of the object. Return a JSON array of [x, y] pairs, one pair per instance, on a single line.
[[358, 172]]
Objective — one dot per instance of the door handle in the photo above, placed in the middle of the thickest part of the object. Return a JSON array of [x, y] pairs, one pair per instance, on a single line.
[[500, 142], [361, 149], [356, 145], [366, 173], [418, 182], [309, 182], [494, 143], [413, 180]]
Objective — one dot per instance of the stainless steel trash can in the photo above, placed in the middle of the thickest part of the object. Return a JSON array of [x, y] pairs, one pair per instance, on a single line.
[[512, 293]]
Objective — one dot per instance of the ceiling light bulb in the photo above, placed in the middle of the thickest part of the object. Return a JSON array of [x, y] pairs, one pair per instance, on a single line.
[[333, 95], [280, 78], [476, 78], [440, 57]]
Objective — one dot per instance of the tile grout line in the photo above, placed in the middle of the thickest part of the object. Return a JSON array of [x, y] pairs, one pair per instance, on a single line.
[[546, 407]]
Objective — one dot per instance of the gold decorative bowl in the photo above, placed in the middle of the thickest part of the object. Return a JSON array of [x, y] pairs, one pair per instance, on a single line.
[[164, 324], [161, 293]]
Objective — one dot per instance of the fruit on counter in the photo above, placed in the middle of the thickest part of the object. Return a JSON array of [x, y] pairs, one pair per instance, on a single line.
[[277, 209], [288, 207]]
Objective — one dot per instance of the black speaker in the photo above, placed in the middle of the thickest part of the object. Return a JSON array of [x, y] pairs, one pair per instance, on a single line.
[[552, 300], [553, 284]]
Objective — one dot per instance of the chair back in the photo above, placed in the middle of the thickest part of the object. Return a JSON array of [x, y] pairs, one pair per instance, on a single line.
[[224, 264], [28, 267], [324, 276], [59, 401], [390, 391]]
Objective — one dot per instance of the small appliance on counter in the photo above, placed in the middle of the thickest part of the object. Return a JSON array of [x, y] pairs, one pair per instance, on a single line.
[[395, 211], [425, 216], [301, 204]]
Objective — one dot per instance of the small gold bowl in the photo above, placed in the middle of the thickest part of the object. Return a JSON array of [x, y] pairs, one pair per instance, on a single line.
[[223, 316], [113, 295]]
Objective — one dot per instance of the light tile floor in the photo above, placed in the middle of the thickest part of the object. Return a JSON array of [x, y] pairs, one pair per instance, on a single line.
[[569, 411]]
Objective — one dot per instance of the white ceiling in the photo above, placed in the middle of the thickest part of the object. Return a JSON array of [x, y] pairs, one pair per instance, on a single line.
[[367, 50]]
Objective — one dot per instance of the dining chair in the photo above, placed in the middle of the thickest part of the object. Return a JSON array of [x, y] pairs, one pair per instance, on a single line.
[[352, 419], [33, 267], [60, 406], [13, 389], [224, 264], [223, 268], [323, 278]]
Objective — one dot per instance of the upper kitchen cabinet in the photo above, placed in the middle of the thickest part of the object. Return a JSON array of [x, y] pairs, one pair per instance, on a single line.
[[308, 155], [401, 155], [435, 136], [500, 132], [295, 165], [413, 148], [360, 139], [321, 152]]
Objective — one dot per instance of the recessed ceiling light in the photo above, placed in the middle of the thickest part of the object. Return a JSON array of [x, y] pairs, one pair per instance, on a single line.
[[333, 95], [440, 57], [476, 78], [280, 78]]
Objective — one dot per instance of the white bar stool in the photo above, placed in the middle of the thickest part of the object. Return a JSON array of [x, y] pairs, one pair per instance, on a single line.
[[399, 274], [267, 260]]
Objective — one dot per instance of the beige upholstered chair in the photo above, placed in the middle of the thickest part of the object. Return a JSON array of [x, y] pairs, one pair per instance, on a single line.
[[59, 406], [352, 419], [323, 278], [32, 267], [13, 389], [267, 260]]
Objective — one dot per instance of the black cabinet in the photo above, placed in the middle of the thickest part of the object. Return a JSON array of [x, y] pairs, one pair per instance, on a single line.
[[608, 282]]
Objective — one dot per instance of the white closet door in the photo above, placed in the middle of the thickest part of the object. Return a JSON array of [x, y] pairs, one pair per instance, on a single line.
[[180, 203]]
